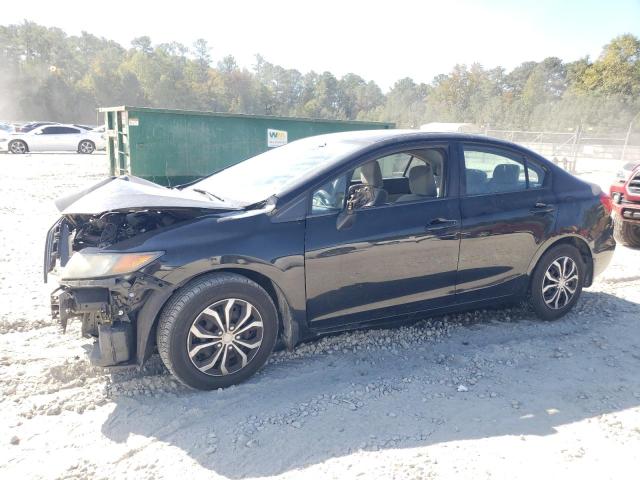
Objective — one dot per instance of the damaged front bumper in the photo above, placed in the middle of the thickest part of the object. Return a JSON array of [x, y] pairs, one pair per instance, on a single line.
[[112, 310], [118, 313], [102, 318]]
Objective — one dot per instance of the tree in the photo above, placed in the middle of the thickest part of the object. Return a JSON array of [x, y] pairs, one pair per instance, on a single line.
[[142, 44], [53, 76], [227, 64], [617, 70], [202, 53], [405, 103]]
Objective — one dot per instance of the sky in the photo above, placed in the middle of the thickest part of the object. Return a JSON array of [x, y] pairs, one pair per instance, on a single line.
[[379, 40]]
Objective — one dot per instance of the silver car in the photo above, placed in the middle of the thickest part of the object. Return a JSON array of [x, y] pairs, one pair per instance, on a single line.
[[52, 138]]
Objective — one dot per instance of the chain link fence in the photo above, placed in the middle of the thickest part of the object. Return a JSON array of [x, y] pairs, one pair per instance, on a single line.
[[571, 149]]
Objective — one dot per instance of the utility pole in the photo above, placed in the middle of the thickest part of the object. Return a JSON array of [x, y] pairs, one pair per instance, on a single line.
[[626, 140]]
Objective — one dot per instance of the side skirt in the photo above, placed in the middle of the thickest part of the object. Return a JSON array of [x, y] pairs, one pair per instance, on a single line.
[[393, 321]]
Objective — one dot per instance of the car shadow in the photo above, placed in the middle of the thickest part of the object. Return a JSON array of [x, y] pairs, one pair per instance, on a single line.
[[495, 373]]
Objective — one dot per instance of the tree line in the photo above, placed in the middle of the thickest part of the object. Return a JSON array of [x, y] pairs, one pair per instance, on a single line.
[[47, 74]]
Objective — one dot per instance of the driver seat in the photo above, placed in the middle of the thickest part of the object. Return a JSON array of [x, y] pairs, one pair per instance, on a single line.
[[371, 175]]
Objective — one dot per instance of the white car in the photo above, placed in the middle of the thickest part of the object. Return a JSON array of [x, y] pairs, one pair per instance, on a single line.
[[53, 138]]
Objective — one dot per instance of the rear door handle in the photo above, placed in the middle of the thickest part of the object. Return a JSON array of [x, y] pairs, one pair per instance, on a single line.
[[440, 224], [542, 208]]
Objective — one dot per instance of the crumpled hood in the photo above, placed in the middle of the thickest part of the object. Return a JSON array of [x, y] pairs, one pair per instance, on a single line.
[[129, 192]]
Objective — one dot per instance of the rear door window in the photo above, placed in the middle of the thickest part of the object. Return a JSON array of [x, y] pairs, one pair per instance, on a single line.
[[67, 130], [493, 171]]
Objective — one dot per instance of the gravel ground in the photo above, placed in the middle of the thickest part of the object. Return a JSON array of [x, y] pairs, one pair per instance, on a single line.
[[484, 394]]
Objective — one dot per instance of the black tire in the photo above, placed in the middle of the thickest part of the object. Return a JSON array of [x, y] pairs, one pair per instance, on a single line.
[[18, 147], [187, 306], [87, 147], [539, 300], [626, 233]]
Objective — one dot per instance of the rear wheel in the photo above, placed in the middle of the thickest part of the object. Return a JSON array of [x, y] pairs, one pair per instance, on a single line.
[[18, 147], [557, 282], [86, 146], [217, 331], [626, 233]]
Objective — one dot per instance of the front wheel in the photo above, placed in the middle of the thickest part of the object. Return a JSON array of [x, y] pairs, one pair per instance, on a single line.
[[18, 147], [626, 233], [557, 282], [86, 146], [217, 331]]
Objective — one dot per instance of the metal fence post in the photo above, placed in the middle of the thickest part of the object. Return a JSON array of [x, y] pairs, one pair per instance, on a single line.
[[576, 144]]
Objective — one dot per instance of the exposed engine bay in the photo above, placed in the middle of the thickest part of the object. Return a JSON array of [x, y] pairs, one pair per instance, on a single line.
[[104, 230], [75, 232]]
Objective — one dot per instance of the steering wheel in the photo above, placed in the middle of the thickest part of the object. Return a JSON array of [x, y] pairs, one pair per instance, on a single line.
[[322, 198]]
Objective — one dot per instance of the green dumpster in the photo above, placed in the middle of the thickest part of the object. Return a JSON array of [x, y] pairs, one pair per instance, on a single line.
[[171, 147]]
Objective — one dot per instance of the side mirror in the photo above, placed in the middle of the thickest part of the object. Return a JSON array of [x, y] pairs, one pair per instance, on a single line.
[[361, 196], [358, 197]]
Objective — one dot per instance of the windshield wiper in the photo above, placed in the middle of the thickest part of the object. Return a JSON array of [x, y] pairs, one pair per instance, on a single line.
[[199, 190]]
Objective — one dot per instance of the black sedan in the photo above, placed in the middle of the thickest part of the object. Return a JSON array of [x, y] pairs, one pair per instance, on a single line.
[[328, 233]]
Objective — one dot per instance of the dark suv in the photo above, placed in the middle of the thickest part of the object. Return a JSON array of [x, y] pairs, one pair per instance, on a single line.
[[328, 233]]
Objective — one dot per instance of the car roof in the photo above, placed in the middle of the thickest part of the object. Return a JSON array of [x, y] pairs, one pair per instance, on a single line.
[[372, 137], [40, 123], [69, 125]]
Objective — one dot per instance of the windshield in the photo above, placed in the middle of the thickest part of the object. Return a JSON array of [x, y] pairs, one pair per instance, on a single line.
[[269, 173]]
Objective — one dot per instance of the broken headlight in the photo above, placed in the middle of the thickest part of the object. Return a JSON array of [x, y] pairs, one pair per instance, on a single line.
[[92, 263]]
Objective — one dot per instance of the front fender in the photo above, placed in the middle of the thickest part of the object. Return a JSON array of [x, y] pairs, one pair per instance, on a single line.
[[293, 320], [252, 245]]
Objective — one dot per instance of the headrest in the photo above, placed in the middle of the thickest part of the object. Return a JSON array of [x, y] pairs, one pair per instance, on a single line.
[[370, 174], [506, 173], [421, 181], [475, 176], [476, 180], [433, 155]]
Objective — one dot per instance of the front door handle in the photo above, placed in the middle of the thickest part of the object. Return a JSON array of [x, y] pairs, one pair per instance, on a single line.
[[440, 224], [540, 207]]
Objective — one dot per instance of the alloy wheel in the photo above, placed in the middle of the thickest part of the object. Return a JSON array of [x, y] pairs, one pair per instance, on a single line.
[[86, 147], [225, 337], [18, 147], [560, 283]]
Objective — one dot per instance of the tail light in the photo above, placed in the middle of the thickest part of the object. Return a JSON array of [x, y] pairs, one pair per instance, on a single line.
[[605, 200]]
